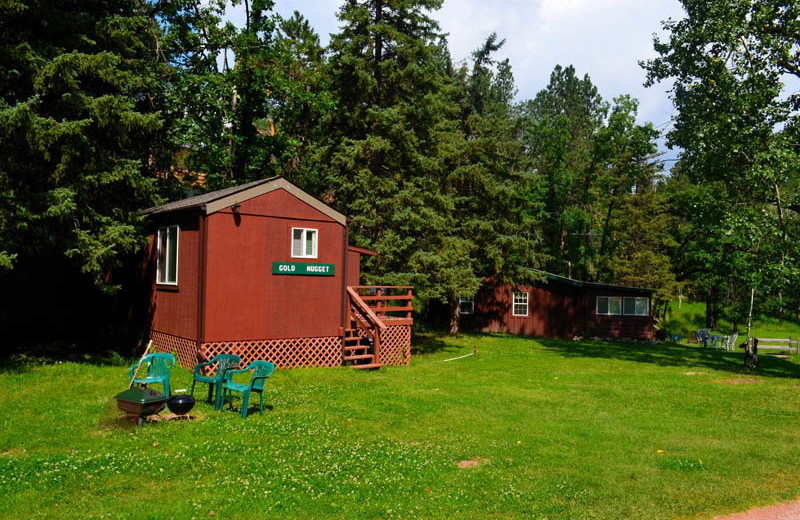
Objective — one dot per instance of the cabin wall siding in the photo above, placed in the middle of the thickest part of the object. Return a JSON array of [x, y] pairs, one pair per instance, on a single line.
[[550, 313], [554, 310], [282, 205], [619, 326], [176, 307], [353, 268], [244, 300]]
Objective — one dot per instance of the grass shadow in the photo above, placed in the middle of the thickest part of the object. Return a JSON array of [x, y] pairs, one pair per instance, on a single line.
[[673, 354], [22, 362], [428, 340], [425, 345], [432, 342]]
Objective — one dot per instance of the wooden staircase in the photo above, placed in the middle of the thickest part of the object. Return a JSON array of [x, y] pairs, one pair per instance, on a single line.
[[365, 323], [362, 338], [359, 350]]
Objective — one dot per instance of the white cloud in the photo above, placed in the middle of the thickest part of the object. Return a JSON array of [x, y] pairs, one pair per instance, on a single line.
[[603, 38]]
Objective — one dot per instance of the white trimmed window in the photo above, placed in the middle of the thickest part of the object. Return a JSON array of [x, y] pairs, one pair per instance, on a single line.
[[520, 304], [167, 256], [304, 243], [636, 306], [609, 305], [466, 305]]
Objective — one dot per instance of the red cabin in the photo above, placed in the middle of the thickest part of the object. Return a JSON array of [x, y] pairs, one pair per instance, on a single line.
[[264, 270], [561, 307]]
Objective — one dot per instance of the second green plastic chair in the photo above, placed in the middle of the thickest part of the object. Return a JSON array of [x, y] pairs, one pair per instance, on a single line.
[[224, 363], [261, 371]]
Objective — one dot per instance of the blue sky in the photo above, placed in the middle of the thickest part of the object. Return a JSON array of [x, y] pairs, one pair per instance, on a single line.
[[603, 38]]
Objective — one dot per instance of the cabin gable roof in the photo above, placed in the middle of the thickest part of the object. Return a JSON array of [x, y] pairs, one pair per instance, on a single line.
[[591, 285], [214, 201]]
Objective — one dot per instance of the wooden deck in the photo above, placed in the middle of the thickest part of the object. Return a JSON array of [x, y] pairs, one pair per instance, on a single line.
[[379, 326]]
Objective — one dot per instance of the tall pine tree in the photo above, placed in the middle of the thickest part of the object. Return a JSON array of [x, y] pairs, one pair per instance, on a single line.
[[423, 155], [486, 180], [77, 121], [241, 103], [386, 140], [559, 128]]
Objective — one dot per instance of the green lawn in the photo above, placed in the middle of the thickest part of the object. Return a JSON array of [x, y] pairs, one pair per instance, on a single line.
[[690, 316], [560, 430]]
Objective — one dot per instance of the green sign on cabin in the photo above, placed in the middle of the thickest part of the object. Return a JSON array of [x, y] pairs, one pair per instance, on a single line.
[[303, 268]]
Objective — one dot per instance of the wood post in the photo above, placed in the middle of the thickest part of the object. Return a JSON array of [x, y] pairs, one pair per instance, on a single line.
[[748, 348], [377, 354]]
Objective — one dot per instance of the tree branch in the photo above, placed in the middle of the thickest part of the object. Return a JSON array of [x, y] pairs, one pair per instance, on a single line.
[[789, 67]]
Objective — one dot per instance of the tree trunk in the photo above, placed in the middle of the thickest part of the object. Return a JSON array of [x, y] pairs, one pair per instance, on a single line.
[[378, 56], [715, 315], [785, 249], [455, 315], [748, 345]]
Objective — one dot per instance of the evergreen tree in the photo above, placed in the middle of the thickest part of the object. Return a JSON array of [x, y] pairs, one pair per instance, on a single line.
[[423, 155], [197, 99], [76, 126], [632, 213], [306, 99], [386, 138], [596, 170], [486, 180], [559, 128]]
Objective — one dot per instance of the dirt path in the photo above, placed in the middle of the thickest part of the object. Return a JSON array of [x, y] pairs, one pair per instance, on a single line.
[[787, 511]]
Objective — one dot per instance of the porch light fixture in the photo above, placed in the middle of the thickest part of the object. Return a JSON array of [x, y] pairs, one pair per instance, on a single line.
[[235, 209]]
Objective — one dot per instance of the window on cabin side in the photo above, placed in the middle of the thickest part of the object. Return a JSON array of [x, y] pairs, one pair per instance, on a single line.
[[304, 243], [636, 306], [167, 255], [466, 305], [520, 304], [609, 305]]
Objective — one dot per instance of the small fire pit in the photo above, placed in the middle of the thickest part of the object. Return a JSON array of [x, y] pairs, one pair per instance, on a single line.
[[180, 404], [140, 402]]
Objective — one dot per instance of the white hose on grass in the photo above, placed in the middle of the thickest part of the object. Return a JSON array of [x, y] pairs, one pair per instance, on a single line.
[[474, 352]]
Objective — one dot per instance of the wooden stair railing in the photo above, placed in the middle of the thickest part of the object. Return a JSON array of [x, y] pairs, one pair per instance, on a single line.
[[386, 303], [363, 324]]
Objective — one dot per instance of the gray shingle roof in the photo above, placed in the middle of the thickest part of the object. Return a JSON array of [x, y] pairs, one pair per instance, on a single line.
[[580, 283], [209, 203], [202, 200]]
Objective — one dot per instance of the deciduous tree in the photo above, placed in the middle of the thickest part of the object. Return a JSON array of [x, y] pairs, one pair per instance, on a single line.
[[738, 132]]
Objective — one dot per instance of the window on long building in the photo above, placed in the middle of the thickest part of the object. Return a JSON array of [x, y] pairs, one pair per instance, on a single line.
[[466, 305], [520, 304], [609, 305], [167, 263], [636, 306]]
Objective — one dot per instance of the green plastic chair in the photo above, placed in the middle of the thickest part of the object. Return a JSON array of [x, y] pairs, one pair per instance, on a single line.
[[158, 366], [224, 363], [261, 371]]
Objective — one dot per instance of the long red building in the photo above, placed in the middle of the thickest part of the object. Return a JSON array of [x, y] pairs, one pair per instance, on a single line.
[[264, 270], [561, 307]]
